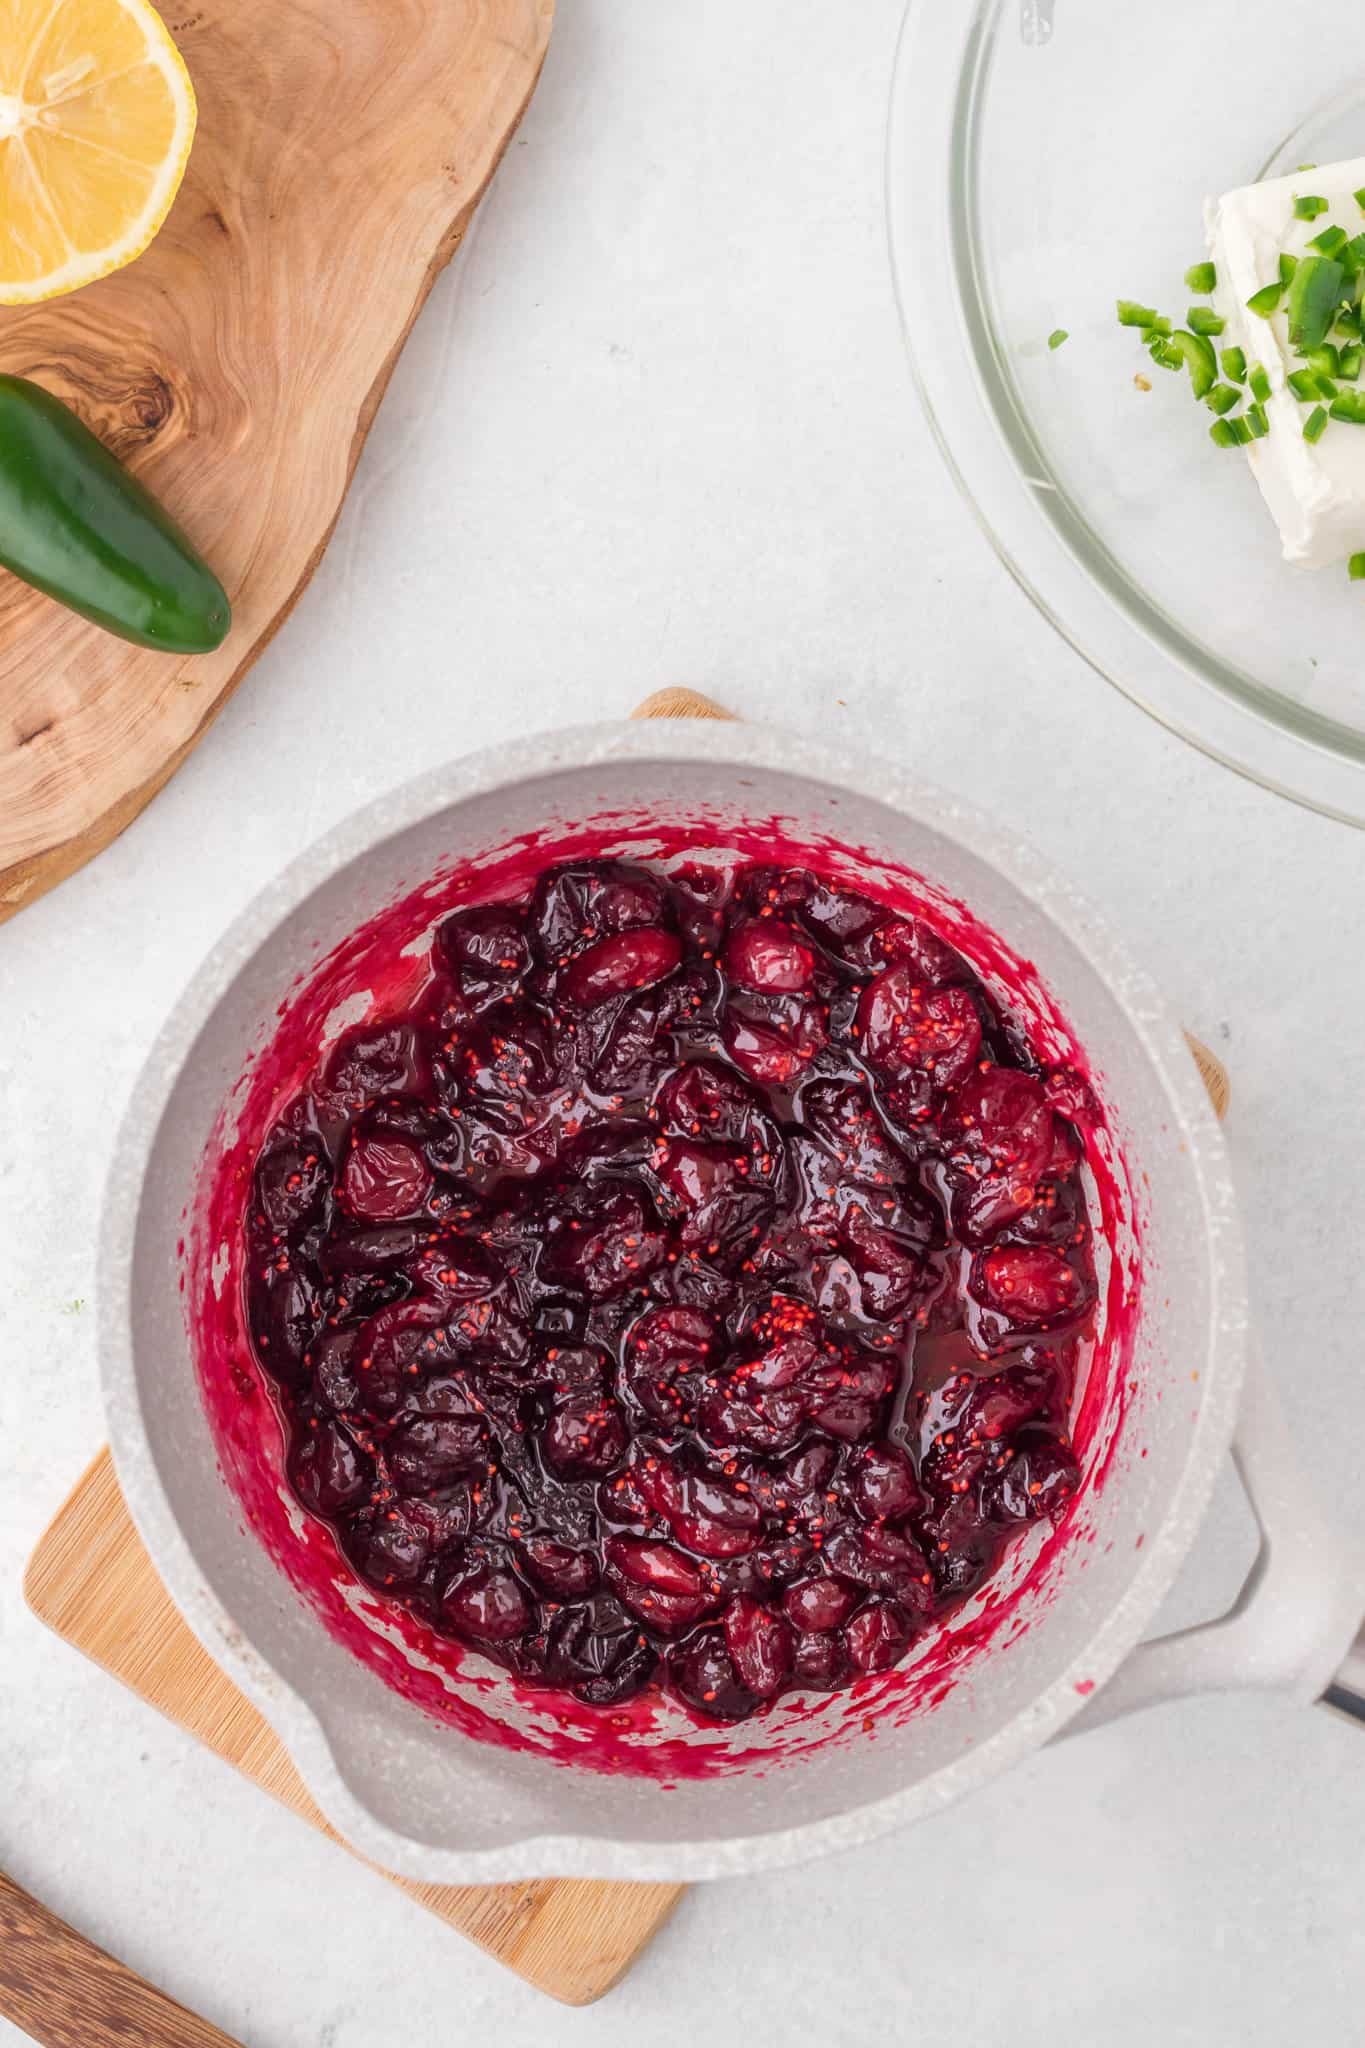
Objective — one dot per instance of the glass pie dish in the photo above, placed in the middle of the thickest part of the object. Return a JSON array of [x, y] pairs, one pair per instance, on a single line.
[[1044, 159]]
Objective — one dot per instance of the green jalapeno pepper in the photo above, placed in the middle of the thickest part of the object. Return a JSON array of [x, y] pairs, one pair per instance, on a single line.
[[75, 524]]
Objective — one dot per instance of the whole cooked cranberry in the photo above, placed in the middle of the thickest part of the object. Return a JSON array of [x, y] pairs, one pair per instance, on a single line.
[[759, 1421], [881, 1558], [664, 1352], [841, 920], [820, 1662], [631, 1671], [1029, 1285], [658, 1583], [843, 1397], [383, 1179], [883, 1485], [987, 1408], [1001, 1127], [589, 1638], [377, 1060], [819, 1603], [336, 1380], [293, 1175], [431, 1450], [767, 954], [396, 1551], [454, 1269], [605, 1242], [485, 948], [588, 898], [877, 1637], [488, 1603], [709, 1189], [760, 1646], [287, 1314], [774, 1043], [702, 1099], [910, 942], [889, 1270], [809, 1470], [444, 1516], [568, 1574], [1072, 1096], [512, 1059], [628, 1043], [905, 1028], [586, 1435], [693, 1173], [704, 1673], [961, 1546], [328, 1471], [1055, 1216], [842, 1115], [617, 965], [714, 1516], [1040, 1478], [785, 1362]]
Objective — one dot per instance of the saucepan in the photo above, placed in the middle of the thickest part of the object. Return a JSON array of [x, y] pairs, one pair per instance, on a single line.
[[429, 1759]]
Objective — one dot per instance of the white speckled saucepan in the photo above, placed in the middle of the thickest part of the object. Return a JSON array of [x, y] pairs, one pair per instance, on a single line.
[[1054, 1636]]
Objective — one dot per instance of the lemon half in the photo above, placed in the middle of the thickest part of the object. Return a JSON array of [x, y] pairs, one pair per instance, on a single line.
[[97, 116]]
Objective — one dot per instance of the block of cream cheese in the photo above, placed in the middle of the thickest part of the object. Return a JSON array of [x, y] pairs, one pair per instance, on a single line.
[[1316, 490]]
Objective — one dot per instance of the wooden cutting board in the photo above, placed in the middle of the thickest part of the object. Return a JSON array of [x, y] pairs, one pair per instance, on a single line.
[[238, 364]]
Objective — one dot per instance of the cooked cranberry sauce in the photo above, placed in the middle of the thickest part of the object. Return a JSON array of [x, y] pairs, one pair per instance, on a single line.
[[685, 1291]]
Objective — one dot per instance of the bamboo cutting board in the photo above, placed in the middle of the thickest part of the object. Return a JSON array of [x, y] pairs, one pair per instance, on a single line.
[[237, 366]]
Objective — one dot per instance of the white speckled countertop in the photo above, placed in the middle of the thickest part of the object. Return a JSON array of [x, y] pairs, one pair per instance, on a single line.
[[656, 427]]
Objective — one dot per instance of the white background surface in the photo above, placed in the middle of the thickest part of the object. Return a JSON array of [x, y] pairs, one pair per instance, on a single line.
[[656, 427]]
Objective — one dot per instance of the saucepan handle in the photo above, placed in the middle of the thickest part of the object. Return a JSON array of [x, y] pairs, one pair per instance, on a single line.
[[1296, 1624]]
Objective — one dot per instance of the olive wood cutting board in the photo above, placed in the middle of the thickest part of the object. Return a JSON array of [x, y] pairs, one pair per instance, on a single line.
[[238, 364]]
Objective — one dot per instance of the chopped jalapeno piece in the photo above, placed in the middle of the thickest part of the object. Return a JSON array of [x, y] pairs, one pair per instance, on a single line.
[[1313, 296], [1131, 314], [1197, 355], [1265, 300]]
